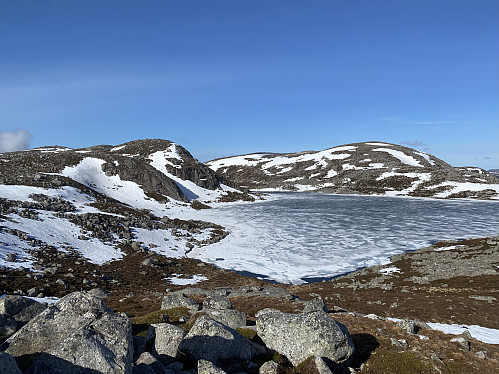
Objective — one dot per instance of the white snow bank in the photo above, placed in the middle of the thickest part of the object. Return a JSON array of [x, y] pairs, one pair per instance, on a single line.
[[179, 279], [446, 248], [390, 270], [61, 234], [406, 159], [21, 193], [456, 187], [483, 334]]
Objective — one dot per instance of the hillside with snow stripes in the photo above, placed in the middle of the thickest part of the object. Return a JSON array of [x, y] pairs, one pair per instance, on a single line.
[[360, 168]]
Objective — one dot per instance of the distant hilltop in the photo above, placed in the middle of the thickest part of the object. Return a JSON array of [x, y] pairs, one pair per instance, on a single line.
[[360, 168]]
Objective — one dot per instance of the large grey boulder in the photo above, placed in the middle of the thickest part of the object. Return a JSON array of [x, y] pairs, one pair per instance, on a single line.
[[166, 341], [217, 302], [8, 364], [78, 334], [20, 308], [299, 336], [178, 300], [228, 317], [212, 341]]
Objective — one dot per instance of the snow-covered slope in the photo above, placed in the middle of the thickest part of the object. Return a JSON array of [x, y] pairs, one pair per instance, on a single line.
[[360, 168], [89, 202]]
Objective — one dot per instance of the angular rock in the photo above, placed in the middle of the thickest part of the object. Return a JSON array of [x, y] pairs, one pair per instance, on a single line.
[[20, 308], [315, 305], [217, 302], [299, 336], [207, 367], [7, 326], [212, 341], [99, 293], [8, 364], [178, 300], [147, 363], [321, 366], [76, 334], [407, 326], [269, 367], [462, 341], [166, 341], [228, 317]]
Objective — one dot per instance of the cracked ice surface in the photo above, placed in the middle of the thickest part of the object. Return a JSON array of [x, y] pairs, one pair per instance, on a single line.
[[300, 237]]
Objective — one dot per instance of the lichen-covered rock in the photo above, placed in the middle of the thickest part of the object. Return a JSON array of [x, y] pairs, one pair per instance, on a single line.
[[217, 302], [228, 317], [212, 341], [21, 309], [269, 367], [407, 326], [207, 367], [166, 341], [299, 336], [315, 305], [178, 300], [76, 334], [8, 364], [321, 366]]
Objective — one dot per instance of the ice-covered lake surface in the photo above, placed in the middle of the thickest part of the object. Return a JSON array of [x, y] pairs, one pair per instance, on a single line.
[[305, 237]]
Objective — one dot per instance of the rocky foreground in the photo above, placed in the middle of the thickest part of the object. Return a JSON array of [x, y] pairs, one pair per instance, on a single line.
[[230, 323]]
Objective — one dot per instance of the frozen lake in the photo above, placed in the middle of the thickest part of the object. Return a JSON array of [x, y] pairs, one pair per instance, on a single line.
[[303, 237]]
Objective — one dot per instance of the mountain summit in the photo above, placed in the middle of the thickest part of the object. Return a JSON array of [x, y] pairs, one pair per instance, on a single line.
[[359, 168]]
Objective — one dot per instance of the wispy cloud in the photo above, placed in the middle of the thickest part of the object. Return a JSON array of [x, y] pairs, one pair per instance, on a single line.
[[11, 141], [416, 122], [417, 144]]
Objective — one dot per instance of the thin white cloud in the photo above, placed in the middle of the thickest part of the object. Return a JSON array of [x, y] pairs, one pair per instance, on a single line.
[[11, 141], [415, 122]]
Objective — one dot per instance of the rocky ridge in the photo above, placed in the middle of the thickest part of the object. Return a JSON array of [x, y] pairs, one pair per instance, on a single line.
[[93, 201], [361, 168]]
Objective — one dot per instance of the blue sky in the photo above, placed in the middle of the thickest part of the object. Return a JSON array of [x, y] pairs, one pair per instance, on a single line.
[[231, 77]]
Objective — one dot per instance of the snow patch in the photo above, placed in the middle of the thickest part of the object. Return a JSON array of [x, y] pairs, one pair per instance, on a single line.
[[390, 270], [484, 334], [406, 159], [180, 280]]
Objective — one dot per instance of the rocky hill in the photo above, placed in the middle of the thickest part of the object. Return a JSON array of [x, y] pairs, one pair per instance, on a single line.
[[99, 202], [359, 168]]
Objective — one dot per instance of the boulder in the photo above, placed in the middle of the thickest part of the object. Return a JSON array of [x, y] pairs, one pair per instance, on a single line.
[[178, 300], [166, 341], [148, 364], [321, 366], [7, 326], [269, 367], [21, 309], [217, 302], [299, 336], [207, 367], [228, 317], [407, 326], [212, 341], [76, 334], [315, 305], [8, 364]]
